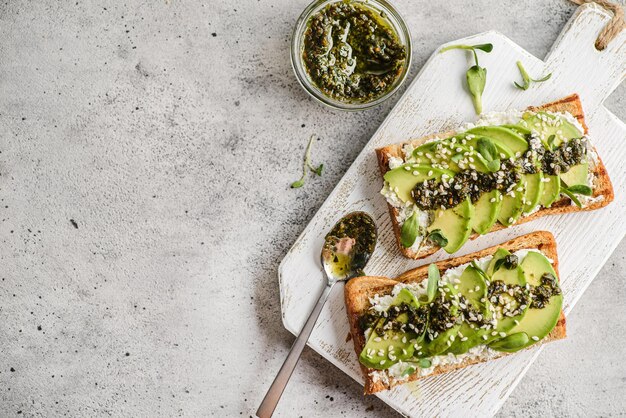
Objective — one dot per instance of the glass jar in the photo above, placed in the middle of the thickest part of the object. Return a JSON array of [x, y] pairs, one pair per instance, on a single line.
[[390, 16]]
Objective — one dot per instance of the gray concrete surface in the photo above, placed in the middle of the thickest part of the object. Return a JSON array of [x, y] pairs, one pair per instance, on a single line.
[[146, 150]]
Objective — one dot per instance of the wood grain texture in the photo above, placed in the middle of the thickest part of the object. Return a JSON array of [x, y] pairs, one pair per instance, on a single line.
[[437, 102]]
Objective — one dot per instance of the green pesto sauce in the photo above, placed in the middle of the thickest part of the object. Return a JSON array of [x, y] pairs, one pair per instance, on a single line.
[[360, 227], [352, 53]]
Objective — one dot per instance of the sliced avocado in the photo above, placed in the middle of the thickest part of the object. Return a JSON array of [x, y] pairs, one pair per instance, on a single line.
[[474, 289], [551, 190], [486, 211], [450, 154], [501, 147], [576, 175], [521, 130], [404, 178], [383, 350], [505, 136], [512, 206], [533, 189], [512, 342], [429, 147], [438, 154], [443, 340], [537, 323], [479, 163], [455, 224], [512, 277], [500, 253], [546, 125]]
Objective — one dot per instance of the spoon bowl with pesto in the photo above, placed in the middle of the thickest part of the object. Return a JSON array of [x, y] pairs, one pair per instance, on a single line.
[[347, 249], [352, 54]]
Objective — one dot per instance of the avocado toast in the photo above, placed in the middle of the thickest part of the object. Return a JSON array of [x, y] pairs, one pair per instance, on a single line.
[[486, 305], [508, 168]]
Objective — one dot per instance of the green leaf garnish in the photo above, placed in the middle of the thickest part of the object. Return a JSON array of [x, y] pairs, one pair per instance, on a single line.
[[431, 287], [580, 189], [487, 149], [498, 264], [319, 170], [410, 231], [511, 342], [476, 76], [409, 371], [307, 164], [550, 142], [489, 152], [526, 79], [424, 363], [476, 80], [438, 238], [298, 183], [482, 47], [572, 191], [509, 262], [572, 196], [457, 157], [493, 166]]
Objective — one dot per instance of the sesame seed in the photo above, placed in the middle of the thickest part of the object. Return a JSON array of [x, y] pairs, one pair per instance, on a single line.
[[535, 338]]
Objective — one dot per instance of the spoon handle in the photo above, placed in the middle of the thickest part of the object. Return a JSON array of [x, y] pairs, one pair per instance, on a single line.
[[280, 382]]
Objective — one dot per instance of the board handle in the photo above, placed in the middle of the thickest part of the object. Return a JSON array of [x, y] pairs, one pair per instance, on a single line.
[[577, 62], [611, 29]]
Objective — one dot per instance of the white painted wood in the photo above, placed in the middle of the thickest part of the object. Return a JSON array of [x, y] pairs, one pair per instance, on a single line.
[[435, 102]]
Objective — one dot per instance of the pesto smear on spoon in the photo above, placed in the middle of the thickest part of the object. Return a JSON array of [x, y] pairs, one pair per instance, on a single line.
[[352, 53]]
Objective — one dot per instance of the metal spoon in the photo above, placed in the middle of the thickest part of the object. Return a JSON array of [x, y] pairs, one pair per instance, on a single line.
[[347, 249]]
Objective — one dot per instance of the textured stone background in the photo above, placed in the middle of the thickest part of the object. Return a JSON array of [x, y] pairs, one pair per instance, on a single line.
[[146, 150]]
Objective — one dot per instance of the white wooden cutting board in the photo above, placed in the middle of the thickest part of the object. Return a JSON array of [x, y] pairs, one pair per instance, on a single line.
[[435, 102]]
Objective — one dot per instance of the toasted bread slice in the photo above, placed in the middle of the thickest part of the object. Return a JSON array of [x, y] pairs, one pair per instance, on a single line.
[[359, 290], [602, 184]]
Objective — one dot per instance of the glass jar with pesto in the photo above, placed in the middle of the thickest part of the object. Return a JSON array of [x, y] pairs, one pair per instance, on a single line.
[[351, 54]]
